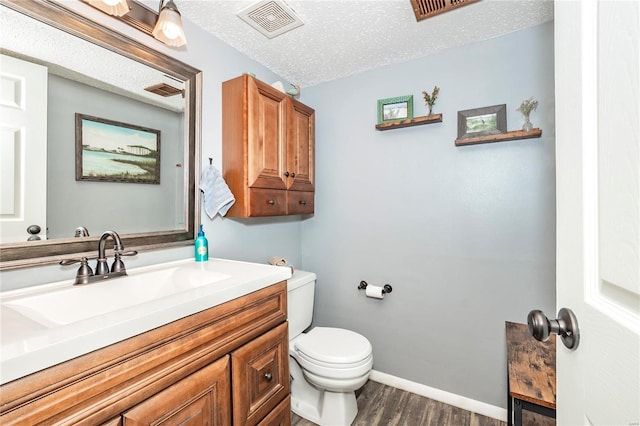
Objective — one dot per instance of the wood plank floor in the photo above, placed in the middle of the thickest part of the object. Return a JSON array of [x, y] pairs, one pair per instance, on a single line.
[[381, 405]]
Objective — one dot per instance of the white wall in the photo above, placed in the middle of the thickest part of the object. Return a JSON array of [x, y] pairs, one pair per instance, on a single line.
[[465, 235]]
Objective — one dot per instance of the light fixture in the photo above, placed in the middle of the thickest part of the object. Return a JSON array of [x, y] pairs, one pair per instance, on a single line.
[[165, 26], [112, 7], [169, 28]]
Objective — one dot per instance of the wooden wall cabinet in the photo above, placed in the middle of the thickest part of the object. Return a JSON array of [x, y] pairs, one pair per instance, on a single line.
[[268, 150], [222, 366]]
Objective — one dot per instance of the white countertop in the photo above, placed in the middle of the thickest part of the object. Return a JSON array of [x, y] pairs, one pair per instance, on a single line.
[[28, 345]]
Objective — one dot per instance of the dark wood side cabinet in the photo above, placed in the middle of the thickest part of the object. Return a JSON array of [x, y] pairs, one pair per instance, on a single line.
[[531, 377]]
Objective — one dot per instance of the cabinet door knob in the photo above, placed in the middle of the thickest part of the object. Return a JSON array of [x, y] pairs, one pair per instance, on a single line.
[[286, 174], [293, 174], [271, 202], [303, 202], [268, 376]]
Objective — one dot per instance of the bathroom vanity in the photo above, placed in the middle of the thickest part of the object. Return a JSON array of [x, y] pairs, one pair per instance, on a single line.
[[225, 364]]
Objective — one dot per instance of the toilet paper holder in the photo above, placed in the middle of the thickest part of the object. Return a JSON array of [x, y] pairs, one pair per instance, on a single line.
[[385, 288]]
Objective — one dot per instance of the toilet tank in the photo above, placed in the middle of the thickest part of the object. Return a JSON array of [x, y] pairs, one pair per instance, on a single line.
[[300, 291]]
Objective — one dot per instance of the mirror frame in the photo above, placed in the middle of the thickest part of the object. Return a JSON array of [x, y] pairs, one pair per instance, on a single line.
[[19, 255]]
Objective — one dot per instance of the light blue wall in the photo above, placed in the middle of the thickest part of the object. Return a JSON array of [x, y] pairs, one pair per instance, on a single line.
[[465, 235]]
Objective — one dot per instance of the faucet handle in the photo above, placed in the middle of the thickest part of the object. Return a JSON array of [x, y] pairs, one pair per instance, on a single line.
[[118, 264], [84, 271]]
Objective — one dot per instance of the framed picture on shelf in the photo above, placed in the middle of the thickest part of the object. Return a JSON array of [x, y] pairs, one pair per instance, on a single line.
[[484, 121], [110, 151], [395, 109]]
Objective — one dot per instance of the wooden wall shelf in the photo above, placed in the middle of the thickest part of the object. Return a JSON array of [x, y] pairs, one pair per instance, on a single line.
[[416, 121], [502, 137]]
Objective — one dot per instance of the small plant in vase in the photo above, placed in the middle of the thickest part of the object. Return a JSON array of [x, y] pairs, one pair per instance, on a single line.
[[527, 107], [430, 99]]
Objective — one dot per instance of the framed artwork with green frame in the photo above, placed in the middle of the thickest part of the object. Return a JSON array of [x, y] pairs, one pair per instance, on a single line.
[[395, 109]]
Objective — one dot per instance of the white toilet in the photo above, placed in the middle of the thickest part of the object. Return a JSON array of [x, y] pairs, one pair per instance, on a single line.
[[327, 365]]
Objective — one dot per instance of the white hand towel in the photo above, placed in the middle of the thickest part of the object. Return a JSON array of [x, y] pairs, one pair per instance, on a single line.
[[217, 195]]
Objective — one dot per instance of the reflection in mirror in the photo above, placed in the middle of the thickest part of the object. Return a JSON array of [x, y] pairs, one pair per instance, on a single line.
[[77, 76]]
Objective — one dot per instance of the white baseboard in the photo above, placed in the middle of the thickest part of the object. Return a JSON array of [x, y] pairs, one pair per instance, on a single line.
[[440, 395]]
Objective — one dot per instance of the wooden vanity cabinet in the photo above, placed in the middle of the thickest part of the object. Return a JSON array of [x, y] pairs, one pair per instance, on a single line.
[[222, 366], [268, 149]]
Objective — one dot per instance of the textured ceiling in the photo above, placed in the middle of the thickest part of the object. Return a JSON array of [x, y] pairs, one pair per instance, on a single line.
[[345, 37]]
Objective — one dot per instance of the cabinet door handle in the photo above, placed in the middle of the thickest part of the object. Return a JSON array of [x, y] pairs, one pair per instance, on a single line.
[[303, 202], [293, 174], [286, 174], [268, 376], [271, 202]]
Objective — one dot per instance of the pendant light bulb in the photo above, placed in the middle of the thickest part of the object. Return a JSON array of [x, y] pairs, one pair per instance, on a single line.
[[168, 28]]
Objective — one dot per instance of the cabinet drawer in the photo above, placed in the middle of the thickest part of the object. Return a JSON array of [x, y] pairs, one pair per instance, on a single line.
[[263, 365], [267, 202], [300, 202]]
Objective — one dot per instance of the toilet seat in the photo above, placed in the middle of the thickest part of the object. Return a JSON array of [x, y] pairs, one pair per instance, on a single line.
[[333, 355], [333, 347]]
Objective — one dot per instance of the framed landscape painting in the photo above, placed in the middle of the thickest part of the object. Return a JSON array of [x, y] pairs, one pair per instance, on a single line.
[[482, 121], [110, 151]]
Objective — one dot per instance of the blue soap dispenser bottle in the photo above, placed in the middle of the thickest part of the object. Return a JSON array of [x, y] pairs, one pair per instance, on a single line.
[[202, 247]]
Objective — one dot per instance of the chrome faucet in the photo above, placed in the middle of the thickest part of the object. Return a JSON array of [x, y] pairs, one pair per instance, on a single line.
[[86, 275]]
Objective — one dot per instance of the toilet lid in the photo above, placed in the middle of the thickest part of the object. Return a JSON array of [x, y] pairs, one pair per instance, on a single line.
[[334, 345]]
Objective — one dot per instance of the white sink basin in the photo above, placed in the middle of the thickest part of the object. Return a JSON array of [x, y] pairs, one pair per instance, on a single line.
[[71, 303]]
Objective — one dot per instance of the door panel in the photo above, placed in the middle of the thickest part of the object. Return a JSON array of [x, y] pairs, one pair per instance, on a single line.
[[23, 148], [598, 209], [203, 398], [267, 115], [263, 364], [300, 147]]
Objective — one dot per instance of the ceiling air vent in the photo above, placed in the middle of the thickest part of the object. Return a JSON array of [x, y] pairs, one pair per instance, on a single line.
[[270, 17], [163, 89], [427, 8]]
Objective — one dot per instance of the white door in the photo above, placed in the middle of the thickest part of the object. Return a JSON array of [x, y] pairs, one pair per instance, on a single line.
[[597, 62], [23, 148]]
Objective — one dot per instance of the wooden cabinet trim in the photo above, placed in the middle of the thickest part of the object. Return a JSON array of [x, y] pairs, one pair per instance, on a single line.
[[95, 387]]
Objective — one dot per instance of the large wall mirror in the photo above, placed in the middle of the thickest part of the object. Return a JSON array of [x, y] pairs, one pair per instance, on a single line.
[[119, 139]]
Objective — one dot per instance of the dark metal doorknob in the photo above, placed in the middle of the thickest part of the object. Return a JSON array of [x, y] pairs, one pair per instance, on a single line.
[[34, 230], [566, 326]]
